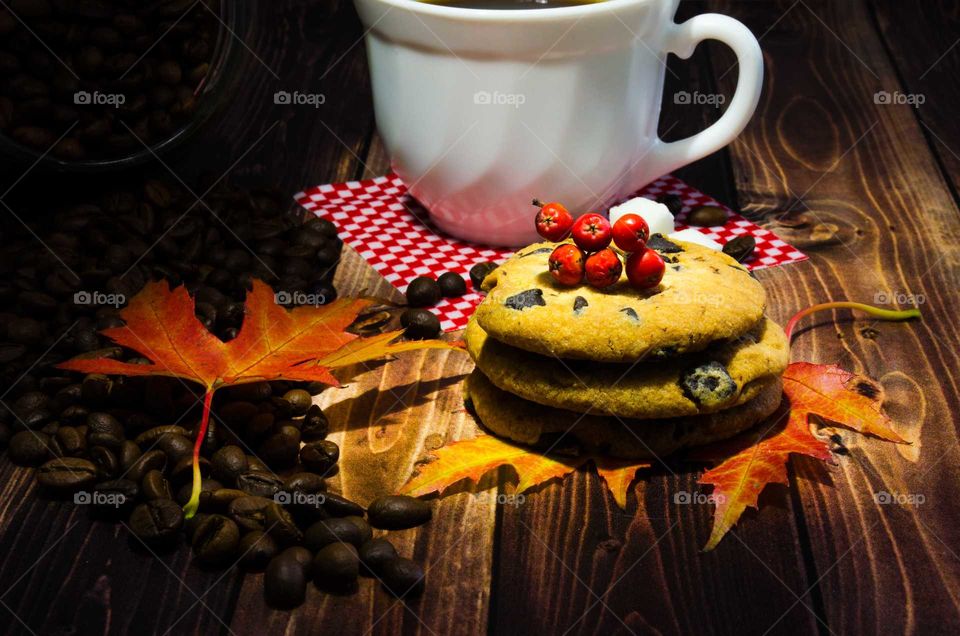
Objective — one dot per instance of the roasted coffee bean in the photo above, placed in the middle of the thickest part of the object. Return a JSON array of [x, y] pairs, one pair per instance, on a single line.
[[215, 539], [707, 216], [329, 531], [452, 285], [129, 454], [220, 500], [299, 401], [280, 449], [104, 429], [259, 425], [285, 579], [256, 465], [256, 549], [74, 414], [307, 483], [66, 474], [250, 392], [176, 447], [673, 202], [148, 438], [320, 456], [190, 525], [114, 497], [423, 291], [250, 512], [71, 441], [156, 521], [480, 271], [106, 461], [259, 483], [228, 463], [280, 524], [741, 247], [336, 567], [398, 512], [338, 506], [403, 578], [374, 554], [366, 532], [151, 460], [420, 324], [315, 425], [29, 448], [155, 486]]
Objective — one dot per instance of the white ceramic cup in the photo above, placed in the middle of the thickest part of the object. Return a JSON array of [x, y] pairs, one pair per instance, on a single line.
[[482, 110]]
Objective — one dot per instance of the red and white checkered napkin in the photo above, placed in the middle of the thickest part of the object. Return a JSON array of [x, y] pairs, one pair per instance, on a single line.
[[394, 234]]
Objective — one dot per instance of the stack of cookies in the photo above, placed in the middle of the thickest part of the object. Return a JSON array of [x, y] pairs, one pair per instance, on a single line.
[[624, 372]]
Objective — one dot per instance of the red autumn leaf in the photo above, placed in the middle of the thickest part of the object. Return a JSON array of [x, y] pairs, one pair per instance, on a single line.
[[474, 458], [274, 343], [750, 463]]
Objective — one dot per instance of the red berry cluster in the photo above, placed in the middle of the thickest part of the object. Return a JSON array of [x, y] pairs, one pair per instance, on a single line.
[[589, 256]]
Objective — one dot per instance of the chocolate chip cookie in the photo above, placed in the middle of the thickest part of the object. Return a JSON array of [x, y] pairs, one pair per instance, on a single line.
[[704, 296]]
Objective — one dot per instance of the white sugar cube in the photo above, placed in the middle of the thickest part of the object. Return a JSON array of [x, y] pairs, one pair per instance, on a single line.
[[657, 215], [691, 235]]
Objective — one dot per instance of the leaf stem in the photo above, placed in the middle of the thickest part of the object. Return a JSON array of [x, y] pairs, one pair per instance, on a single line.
[[876, 312], [191, 508]]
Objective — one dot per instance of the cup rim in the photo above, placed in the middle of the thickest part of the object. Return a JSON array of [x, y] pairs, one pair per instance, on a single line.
[[504, 15]]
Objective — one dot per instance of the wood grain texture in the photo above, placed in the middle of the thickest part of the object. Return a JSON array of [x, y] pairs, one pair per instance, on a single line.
[[923, 43], [571, 562], [880, 224], [869, 191]]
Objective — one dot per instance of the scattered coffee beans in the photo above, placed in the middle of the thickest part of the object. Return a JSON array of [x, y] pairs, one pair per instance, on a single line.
[[420, 324], [452, 285], [423, 292]]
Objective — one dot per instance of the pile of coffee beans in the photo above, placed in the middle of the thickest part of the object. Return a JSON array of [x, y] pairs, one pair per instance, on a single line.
[[66, 277], [264, 503], [123, 445], [108, 76]]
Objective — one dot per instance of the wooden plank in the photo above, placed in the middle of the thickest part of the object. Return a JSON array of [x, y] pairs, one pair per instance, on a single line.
[[923, 42], [879, 223], [385, 421], [63, 571], [571, 561]]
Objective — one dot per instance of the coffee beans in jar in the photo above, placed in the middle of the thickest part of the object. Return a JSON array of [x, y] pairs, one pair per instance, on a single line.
[[89, 81]]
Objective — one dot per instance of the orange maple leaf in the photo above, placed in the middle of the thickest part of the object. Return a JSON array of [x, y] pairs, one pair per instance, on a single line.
[[274, 343], [472, 459], [750, 462]]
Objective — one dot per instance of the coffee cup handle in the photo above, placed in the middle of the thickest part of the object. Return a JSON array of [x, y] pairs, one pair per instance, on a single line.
[[668, 156]]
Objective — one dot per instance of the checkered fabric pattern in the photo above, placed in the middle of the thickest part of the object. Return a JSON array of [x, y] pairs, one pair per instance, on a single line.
[[394, 234]]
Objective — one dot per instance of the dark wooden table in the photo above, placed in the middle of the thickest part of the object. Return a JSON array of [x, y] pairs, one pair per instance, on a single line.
[[867, 189]]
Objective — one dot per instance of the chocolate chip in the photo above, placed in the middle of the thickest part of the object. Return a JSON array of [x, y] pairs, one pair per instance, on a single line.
[[659, 243], [528, 298], [579, 303], [630, 313], [708, 385]]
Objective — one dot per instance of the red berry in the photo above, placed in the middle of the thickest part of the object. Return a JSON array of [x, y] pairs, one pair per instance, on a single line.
[[553, 220], [630, 233], [645, 269], [591, 232], [566, 264], [603, 268]]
